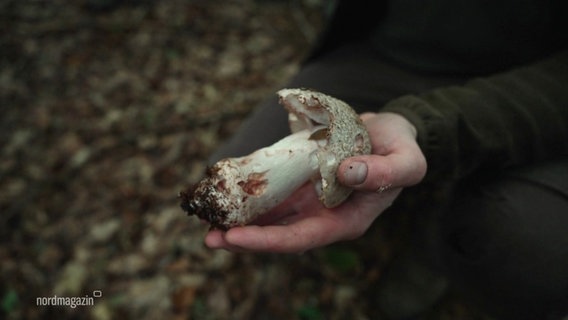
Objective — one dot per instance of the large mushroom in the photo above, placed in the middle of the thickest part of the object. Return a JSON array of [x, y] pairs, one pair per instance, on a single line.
[[325, 131]]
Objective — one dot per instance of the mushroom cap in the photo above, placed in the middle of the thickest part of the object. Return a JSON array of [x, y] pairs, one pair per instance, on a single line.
[[344, 132]]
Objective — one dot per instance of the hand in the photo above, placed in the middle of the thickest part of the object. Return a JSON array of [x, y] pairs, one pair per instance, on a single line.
[[302, 222]]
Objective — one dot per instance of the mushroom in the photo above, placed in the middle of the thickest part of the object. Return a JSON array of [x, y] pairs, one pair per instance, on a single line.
[[325, 131]]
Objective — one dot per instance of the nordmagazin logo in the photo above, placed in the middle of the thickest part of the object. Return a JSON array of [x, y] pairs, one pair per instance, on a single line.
[[72, 302]]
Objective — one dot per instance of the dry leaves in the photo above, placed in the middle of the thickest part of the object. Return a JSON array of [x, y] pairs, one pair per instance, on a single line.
[[106, 116]]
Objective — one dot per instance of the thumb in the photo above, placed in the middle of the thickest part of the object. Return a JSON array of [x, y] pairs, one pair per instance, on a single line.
[[375, 172]]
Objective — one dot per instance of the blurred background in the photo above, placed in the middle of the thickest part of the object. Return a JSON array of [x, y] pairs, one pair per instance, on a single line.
[[109, 109]]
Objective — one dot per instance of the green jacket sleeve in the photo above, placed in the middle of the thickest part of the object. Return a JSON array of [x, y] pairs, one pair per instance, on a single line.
[[513, 118]]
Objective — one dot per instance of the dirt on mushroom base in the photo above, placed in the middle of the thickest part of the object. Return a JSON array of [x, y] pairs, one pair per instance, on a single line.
[[108, 111]]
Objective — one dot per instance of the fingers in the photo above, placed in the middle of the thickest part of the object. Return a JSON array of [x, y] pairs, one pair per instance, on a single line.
[[306, 231], [296, 238]]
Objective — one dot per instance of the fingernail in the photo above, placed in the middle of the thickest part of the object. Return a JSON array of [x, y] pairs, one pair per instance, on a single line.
[[356, 173]]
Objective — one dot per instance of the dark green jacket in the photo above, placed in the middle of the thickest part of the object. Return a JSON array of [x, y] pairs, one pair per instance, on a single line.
[[514, 110]]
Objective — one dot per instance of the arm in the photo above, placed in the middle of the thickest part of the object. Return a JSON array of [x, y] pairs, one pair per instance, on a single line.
[[513, 118]]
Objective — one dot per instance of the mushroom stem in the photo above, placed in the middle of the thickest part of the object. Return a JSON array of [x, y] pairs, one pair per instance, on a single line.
[[237, 190]]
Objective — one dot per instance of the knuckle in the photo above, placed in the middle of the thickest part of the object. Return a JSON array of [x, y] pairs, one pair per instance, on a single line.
[[387, 176]]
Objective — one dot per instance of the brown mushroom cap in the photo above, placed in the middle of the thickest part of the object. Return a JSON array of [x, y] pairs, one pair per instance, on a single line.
[[344, 131]]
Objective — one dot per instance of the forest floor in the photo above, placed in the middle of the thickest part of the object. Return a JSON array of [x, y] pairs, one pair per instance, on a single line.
[[107, 113]]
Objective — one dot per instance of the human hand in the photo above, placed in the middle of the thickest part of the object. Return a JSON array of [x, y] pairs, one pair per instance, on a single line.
[[302, 222]]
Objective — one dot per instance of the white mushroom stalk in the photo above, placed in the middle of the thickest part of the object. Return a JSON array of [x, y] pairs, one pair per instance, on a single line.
[[325, 131]]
